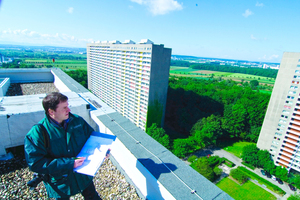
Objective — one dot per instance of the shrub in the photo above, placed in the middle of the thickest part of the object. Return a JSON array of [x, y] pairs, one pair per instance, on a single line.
[[192, 158], [294, 197], [202, 166], [239, 175], [228, 163], [218, 171], [215, 161], [248, 165], [253, 176]]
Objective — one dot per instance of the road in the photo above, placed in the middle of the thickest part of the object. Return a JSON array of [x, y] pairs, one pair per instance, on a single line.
[[238, 162]]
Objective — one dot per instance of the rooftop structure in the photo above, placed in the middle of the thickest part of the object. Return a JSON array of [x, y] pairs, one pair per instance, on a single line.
[[131, 78], [281, 127], [154, 170]]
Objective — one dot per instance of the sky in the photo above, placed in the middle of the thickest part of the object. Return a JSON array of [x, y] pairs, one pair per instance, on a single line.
[[232, 29]]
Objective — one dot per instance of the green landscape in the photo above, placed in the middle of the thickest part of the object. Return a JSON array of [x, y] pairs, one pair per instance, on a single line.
[[246, 191], [189, 72], [205, 108]]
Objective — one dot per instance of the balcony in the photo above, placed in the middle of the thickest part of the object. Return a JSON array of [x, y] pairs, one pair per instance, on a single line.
[[294, 131], [293, 136], [288, 149], [283, 162], [294, 126], [290, 155], [287, 159]]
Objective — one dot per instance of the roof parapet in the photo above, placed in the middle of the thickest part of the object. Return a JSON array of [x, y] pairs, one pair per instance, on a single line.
[[146, 41], [128, 42]]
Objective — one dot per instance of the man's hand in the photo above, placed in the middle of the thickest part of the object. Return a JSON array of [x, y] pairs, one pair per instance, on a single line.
[[78, 161], [107, 154]]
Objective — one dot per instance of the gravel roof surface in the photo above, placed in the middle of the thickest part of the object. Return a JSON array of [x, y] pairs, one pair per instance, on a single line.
[[14, 174], [16, 89]]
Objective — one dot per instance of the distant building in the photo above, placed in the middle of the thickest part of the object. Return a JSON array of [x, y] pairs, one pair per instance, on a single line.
[[281, 127], [131, 78], [1, 58]]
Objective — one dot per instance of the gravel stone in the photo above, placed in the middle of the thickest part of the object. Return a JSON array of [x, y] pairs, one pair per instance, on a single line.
[[14, 174], [17, 89]]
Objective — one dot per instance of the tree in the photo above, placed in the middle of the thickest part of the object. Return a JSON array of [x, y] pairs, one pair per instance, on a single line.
[[281, 173], [296, 180], [263, 157], [254, 83], [249, 154], [234, 119], [209, 131], [159, 135], [202, 166], [294, 197], [182, 147]]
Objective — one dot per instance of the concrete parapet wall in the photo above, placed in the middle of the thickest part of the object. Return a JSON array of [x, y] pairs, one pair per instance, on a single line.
[[27, 75], [4, 85]]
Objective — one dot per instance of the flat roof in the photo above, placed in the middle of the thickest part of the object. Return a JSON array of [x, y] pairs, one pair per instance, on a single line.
[[32, 103]]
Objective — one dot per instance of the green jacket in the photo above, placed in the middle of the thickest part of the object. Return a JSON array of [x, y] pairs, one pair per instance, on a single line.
[[64, 146]]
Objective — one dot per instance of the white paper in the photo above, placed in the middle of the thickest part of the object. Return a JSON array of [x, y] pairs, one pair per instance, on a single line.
[[94, 151]]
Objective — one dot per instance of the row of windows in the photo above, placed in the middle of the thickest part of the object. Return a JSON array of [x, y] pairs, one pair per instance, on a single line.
[[111, 48]]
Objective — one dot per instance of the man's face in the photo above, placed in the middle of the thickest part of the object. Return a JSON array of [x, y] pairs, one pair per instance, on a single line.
[[61, 113]]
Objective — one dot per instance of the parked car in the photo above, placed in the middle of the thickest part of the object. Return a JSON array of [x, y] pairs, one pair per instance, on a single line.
[[279, 181], [292, 187], [263, 172], [273, 178], [268, 174]]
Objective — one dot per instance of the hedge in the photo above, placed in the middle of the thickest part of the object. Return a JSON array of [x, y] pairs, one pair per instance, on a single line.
[[248, 165], [239, 175], [228, 163], [254, 176]]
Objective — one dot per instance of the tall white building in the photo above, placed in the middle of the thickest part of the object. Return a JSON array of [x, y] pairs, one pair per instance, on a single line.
[[131, 78], [280, 133]]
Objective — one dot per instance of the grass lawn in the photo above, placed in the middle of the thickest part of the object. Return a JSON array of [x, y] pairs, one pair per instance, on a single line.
[[225, 75], [247, 191], [235, 148]]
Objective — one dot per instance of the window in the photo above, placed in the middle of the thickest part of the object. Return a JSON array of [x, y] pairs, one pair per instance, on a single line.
[[282, 121], [285, 112], [275, 142], [288, 107], [292, 92], [279, 134]]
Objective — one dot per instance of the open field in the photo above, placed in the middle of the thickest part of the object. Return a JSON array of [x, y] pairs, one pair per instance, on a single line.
[[188, 72], [63, 64], [246, 191], [236, 148]]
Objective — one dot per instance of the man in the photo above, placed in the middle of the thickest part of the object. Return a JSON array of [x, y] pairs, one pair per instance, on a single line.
[[67, 135]]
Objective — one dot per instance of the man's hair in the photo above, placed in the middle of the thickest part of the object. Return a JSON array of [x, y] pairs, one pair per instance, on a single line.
[[52, 100]]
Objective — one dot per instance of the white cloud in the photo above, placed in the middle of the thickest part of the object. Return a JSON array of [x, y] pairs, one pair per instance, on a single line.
[[247, 13], [160, 7], [259, 4], [252, 37], [33, 37], [70, 10], [272, 57]]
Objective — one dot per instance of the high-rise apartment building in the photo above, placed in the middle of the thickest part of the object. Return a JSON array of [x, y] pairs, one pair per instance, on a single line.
[[131, 78], [281, 128]]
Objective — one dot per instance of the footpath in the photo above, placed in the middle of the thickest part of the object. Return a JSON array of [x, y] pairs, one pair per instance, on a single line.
[[238, 162]]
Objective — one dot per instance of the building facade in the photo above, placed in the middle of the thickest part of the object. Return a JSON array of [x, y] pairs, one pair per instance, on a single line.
[[281, 127], [131, 78]]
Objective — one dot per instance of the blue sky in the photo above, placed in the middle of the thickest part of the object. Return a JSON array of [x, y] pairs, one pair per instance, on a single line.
[[234, 29]]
